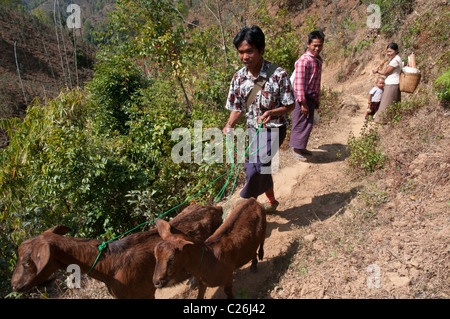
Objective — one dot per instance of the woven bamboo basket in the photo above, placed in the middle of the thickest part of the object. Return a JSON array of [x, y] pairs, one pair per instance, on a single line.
[[409, 82]]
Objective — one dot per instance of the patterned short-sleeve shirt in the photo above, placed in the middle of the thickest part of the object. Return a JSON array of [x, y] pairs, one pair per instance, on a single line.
[[276, 92]]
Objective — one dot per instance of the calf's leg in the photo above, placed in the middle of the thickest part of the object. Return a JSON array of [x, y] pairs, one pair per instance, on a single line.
[[229, 290], [254, 266], [201, 290]]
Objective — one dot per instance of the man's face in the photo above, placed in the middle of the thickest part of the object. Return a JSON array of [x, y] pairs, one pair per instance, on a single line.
[[250, 55], [316, 46]]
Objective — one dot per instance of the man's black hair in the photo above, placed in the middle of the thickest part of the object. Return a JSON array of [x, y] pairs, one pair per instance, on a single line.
[[253, 35], [316, 35]]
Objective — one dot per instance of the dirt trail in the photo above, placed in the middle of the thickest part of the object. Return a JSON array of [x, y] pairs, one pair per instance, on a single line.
[[307, 193]]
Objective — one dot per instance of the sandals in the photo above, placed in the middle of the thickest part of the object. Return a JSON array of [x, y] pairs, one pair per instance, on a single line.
[[299, 157]]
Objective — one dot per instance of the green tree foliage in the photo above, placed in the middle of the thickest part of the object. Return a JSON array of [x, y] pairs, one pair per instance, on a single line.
[[116, 87]]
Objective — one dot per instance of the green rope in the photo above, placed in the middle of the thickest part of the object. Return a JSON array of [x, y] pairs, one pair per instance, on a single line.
[[222, 191], [104, 244]]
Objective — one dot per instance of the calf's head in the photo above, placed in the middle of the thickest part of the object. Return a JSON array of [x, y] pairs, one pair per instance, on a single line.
[[170, 256], [35, 262]]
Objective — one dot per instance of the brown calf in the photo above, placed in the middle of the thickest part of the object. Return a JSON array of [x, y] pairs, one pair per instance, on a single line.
[[213, 261], [125, 266]]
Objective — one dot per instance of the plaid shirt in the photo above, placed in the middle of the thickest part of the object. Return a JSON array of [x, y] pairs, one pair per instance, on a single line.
[[308, 74], [276, 92]]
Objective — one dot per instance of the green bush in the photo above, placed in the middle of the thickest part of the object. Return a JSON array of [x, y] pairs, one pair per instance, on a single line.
[[283, 45], [364, 151], [442, 87], [115, 88], [57, 171]]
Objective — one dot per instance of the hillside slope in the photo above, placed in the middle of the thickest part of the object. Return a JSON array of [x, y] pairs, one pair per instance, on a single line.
[[48, 61]]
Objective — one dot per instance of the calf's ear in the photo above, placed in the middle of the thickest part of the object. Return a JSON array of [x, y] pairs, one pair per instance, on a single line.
[[41, 256], [181, 243], [163, 228], [59, 229]]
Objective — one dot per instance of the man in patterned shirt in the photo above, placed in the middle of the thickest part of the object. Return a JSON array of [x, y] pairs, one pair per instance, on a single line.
[[307, 78], [268, 110]]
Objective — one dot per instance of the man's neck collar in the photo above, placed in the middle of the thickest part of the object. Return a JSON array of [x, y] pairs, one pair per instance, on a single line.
[[260, 72]]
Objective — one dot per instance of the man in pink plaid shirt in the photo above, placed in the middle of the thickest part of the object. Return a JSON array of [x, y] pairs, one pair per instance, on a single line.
[[306, 82]]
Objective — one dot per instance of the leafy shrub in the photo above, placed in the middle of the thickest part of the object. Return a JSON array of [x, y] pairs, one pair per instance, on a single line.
[[57, 171], [115, 88], [282, 45], [364, 153], [442, 87]]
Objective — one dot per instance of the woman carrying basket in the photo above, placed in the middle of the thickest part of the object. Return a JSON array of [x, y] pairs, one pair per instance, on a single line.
[[392, 82]]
